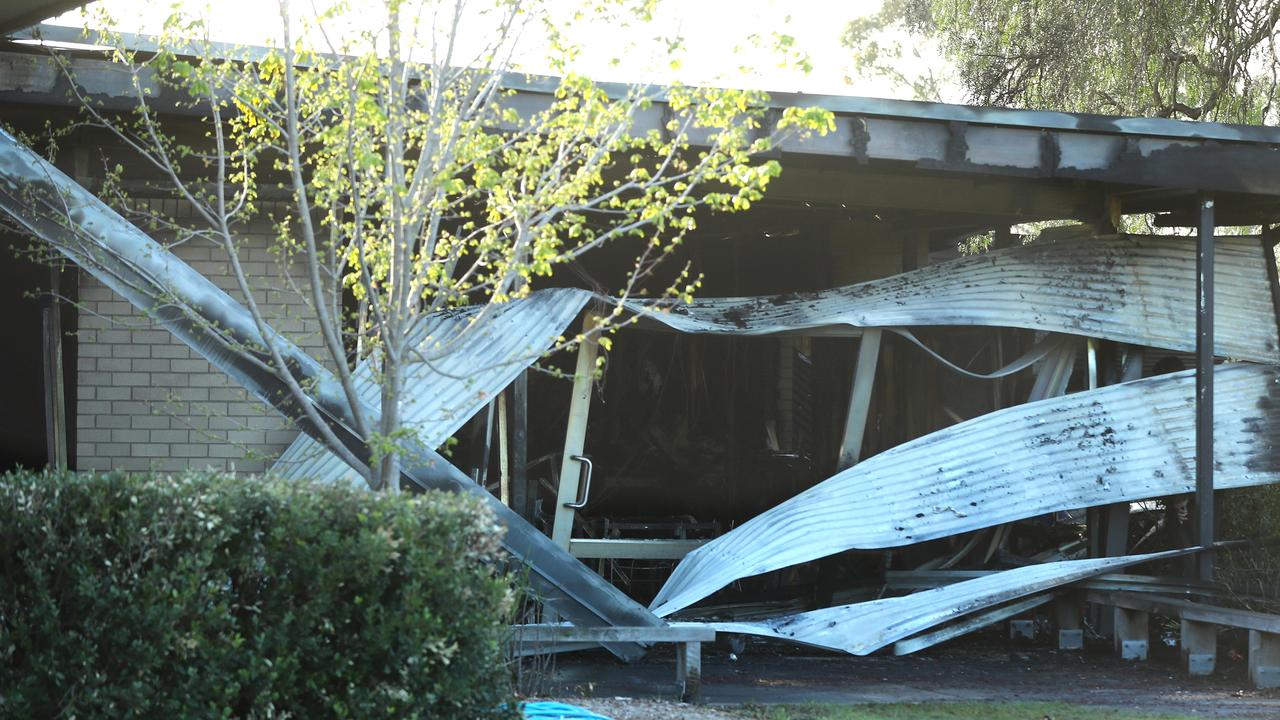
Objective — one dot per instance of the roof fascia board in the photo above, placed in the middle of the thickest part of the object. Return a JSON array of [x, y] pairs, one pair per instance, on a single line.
[[868, 107]]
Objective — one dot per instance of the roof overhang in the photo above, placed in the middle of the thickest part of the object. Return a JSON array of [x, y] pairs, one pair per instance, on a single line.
[[18, 14], [912, 156]]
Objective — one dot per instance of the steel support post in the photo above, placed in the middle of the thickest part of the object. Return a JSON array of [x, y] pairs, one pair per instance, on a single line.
[[1204, 388], [1270, 237]]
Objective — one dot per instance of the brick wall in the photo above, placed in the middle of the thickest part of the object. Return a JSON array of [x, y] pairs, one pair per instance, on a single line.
[[146, 401]]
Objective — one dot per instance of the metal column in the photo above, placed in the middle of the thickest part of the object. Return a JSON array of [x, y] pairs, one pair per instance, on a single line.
[[1204, 387]]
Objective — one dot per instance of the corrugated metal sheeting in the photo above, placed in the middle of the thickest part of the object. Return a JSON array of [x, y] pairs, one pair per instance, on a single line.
[[862, 628], [1132, 289], [1128, 289], [462, 359], [1124, 442]]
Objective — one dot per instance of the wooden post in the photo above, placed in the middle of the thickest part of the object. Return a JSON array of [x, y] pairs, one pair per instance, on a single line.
[[575, 435], [689, 671], [522, 493], [55, 407], [864, 375], [504, 464]]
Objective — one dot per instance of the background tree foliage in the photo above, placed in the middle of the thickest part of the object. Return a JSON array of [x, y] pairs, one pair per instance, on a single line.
[[1192, 59]]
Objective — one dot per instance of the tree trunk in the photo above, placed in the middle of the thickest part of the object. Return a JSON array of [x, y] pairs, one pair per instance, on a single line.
[[389, 425]]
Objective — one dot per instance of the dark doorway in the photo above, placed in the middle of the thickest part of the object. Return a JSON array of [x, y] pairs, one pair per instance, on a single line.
[[24, 294]]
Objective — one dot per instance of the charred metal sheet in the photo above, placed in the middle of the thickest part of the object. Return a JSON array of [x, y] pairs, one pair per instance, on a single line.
[[462, 359], [1120, 443], [862, 628], [1133, 289], [54, 208], [970, 623]]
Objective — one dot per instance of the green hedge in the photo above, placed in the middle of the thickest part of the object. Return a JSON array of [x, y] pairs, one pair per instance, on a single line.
[[213, 596]]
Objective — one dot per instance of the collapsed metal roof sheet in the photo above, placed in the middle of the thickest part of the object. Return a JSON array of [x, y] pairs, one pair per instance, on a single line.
[[1133, 289], [862, 628], [461, 360], [54, 208], [1120, 443]]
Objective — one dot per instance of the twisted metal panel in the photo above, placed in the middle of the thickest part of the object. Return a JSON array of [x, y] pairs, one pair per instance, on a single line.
[[862, 628], [1132, 289], [1120, 443]]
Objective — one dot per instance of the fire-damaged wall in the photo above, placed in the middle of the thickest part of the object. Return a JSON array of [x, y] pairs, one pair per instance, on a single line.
[[146, 401]]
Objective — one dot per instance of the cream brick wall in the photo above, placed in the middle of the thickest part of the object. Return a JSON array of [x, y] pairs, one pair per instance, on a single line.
[[146, 401]]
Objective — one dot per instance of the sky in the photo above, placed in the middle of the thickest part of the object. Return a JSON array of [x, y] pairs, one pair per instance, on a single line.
[[715, 33]]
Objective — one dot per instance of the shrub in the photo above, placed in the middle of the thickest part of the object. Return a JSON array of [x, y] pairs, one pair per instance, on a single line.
[[1252, 573], [135, 596]]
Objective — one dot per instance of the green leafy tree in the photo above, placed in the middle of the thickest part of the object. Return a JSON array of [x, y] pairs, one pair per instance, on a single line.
[[415, 180], [1193, 59]]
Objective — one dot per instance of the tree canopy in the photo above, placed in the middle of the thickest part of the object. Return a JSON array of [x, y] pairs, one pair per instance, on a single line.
[[416, 180], [1190, 59]]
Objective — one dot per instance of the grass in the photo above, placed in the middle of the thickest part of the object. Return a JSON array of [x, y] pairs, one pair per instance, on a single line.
[[949, 711]]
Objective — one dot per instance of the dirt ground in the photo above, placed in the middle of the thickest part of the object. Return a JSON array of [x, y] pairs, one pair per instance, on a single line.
[[982, 668]]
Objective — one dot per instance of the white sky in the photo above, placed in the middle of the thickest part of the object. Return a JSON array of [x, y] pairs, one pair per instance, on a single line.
[[714, 31]]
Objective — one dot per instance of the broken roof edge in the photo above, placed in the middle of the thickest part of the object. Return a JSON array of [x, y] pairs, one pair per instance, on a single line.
[[862, 628], [839, 104]]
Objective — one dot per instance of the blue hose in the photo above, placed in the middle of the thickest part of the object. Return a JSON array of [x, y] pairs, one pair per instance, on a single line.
[[557, 711]]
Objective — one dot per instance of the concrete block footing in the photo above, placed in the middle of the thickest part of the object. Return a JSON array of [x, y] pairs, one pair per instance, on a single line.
[[1131, 635], [1199, 645], [1264, 659], [1071, 639], [1022, 629]]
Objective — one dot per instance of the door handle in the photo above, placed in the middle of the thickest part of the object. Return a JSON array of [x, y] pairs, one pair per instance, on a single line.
[[585, 475]]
